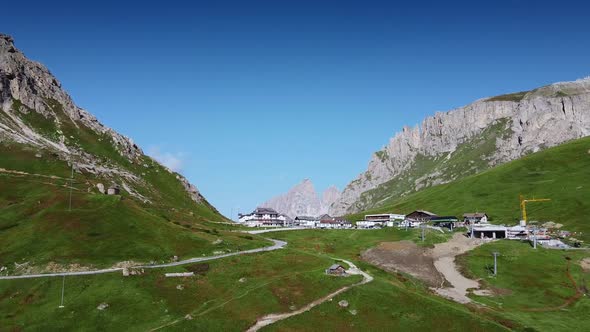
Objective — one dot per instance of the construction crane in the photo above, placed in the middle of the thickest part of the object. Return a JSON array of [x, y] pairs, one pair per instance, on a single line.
[[523, 202]]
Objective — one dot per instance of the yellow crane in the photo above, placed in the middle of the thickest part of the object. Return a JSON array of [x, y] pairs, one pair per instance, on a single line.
[[523, 202]]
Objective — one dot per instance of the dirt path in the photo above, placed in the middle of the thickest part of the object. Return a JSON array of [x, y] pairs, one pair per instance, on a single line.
[[569, 301], [444, 261], [273, 318]]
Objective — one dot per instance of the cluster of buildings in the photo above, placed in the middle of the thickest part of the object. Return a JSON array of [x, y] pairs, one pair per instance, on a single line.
[[265, 217], [477, 224]]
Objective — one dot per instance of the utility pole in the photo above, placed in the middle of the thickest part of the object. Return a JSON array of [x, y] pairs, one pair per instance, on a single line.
[[423, 226], [63, 285], [495, 253], [71, 185]]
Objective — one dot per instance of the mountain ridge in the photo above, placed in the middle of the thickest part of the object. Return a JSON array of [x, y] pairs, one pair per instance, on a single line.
[[27, 87], [490, 131], [57, 165]]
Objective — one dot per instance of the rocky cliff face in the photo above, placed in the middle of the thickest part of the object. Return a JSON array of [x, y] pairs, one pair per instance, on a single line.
[[439, 149], [36, 112], [303, 200]]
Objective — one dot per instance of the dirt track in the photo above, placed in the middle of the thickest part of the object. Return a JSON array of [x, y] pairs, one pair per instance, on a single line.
[[444, 260], [273, 318], [406, 257], [434, 266]]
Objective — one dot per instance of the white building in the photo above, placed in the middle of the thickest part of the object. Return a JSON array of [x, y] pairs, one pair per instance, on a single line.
[[475, 218], [489, 231], [306, 221], [334, 223], [264, 217], [370, 224], [385, 217]]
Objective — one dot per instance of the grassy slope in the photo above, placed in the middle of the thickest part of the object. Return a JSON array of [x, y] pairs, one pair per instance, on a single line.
[[36, 226], [217, 300], [530, 280], [391, 301], [559, 173], [469, 158]]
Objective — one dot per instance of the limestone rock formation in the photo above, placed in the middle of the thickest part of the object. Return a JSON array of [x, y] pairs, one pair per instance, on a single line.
[[303, 200], [426, 155], [36, 111]]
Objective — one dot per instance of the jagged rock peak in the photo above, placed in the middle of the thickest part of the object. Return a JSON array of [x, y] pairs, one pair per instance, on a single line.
[[6, 38], [303, 199]]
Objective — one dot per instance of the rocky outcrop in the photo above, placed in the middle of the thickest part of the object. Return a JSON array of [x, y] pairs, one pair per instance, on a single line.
[[303, 200], [537, 119], [28, 90]]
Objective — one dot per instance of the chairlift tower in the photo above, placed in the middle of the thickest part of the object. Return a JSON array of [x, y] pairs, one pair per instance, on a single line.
[[423, 226], [71, 185], [63, 285], [496, 254]]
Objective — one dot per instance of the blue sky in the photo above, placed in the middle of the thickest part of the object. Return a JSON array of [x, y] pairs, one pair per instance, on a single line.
[[247, 98]]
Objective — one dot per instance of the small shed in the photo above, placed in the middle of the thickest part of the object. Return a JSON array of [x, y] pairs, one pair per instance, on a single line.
[[114, 190], [336, 270]]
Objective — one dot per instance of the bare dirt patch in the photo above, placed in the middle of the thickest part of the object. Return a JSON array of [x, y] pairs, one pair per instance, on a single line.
[[406, 257], [585, 264], [444, 260], [436, 267]]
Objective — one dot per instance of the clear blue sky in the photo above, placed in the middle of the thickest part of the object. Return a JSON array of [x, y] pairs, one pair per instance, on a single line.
[[250, 97]]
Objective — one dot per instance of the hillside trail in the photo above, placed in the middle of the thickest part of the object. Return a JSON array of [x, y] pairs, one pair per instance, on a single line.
[[277, 244], [273, 318], [444, 255]]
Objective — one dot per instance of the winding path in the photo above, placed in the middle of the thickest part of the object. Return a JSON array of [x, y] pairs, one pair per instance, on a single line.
[[277, 245], [261, 322], [273, 318]]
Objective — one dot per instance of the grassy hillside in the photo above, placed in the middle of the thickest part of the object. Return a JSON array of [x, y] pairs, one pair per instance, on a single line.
[[231, 293], [532, 291], [533, 286], [226, 295], [36, 225], [560, 173]]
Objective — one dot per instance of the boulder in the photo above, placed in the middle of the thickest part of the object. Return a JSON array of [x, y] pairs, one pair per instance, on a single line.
[[100, 187], [102, 306]]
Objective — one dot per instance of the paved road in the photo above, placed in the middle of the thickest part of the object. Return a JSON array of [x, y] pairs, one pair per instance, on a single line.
[[277, 245]]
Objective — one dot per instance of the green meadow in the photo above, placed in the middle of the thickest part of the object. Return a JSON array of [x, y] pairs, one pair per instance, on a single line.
[[559, 173]]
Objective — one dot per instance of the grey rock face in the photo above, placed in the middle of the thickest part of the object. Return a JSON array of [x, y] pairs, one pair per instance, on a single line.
[[29, 87], [303, 200], [542, 118]]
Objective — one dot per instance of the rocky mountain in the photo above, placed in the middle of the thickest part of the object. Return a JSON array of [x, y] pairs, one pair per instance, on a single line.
[[468, 140], [57, 164], [37, 112], [303, 200]]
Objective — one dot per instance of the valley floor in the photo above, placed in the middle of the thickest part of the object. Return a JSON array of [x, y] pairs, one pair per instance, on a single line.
[[288, 290]]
